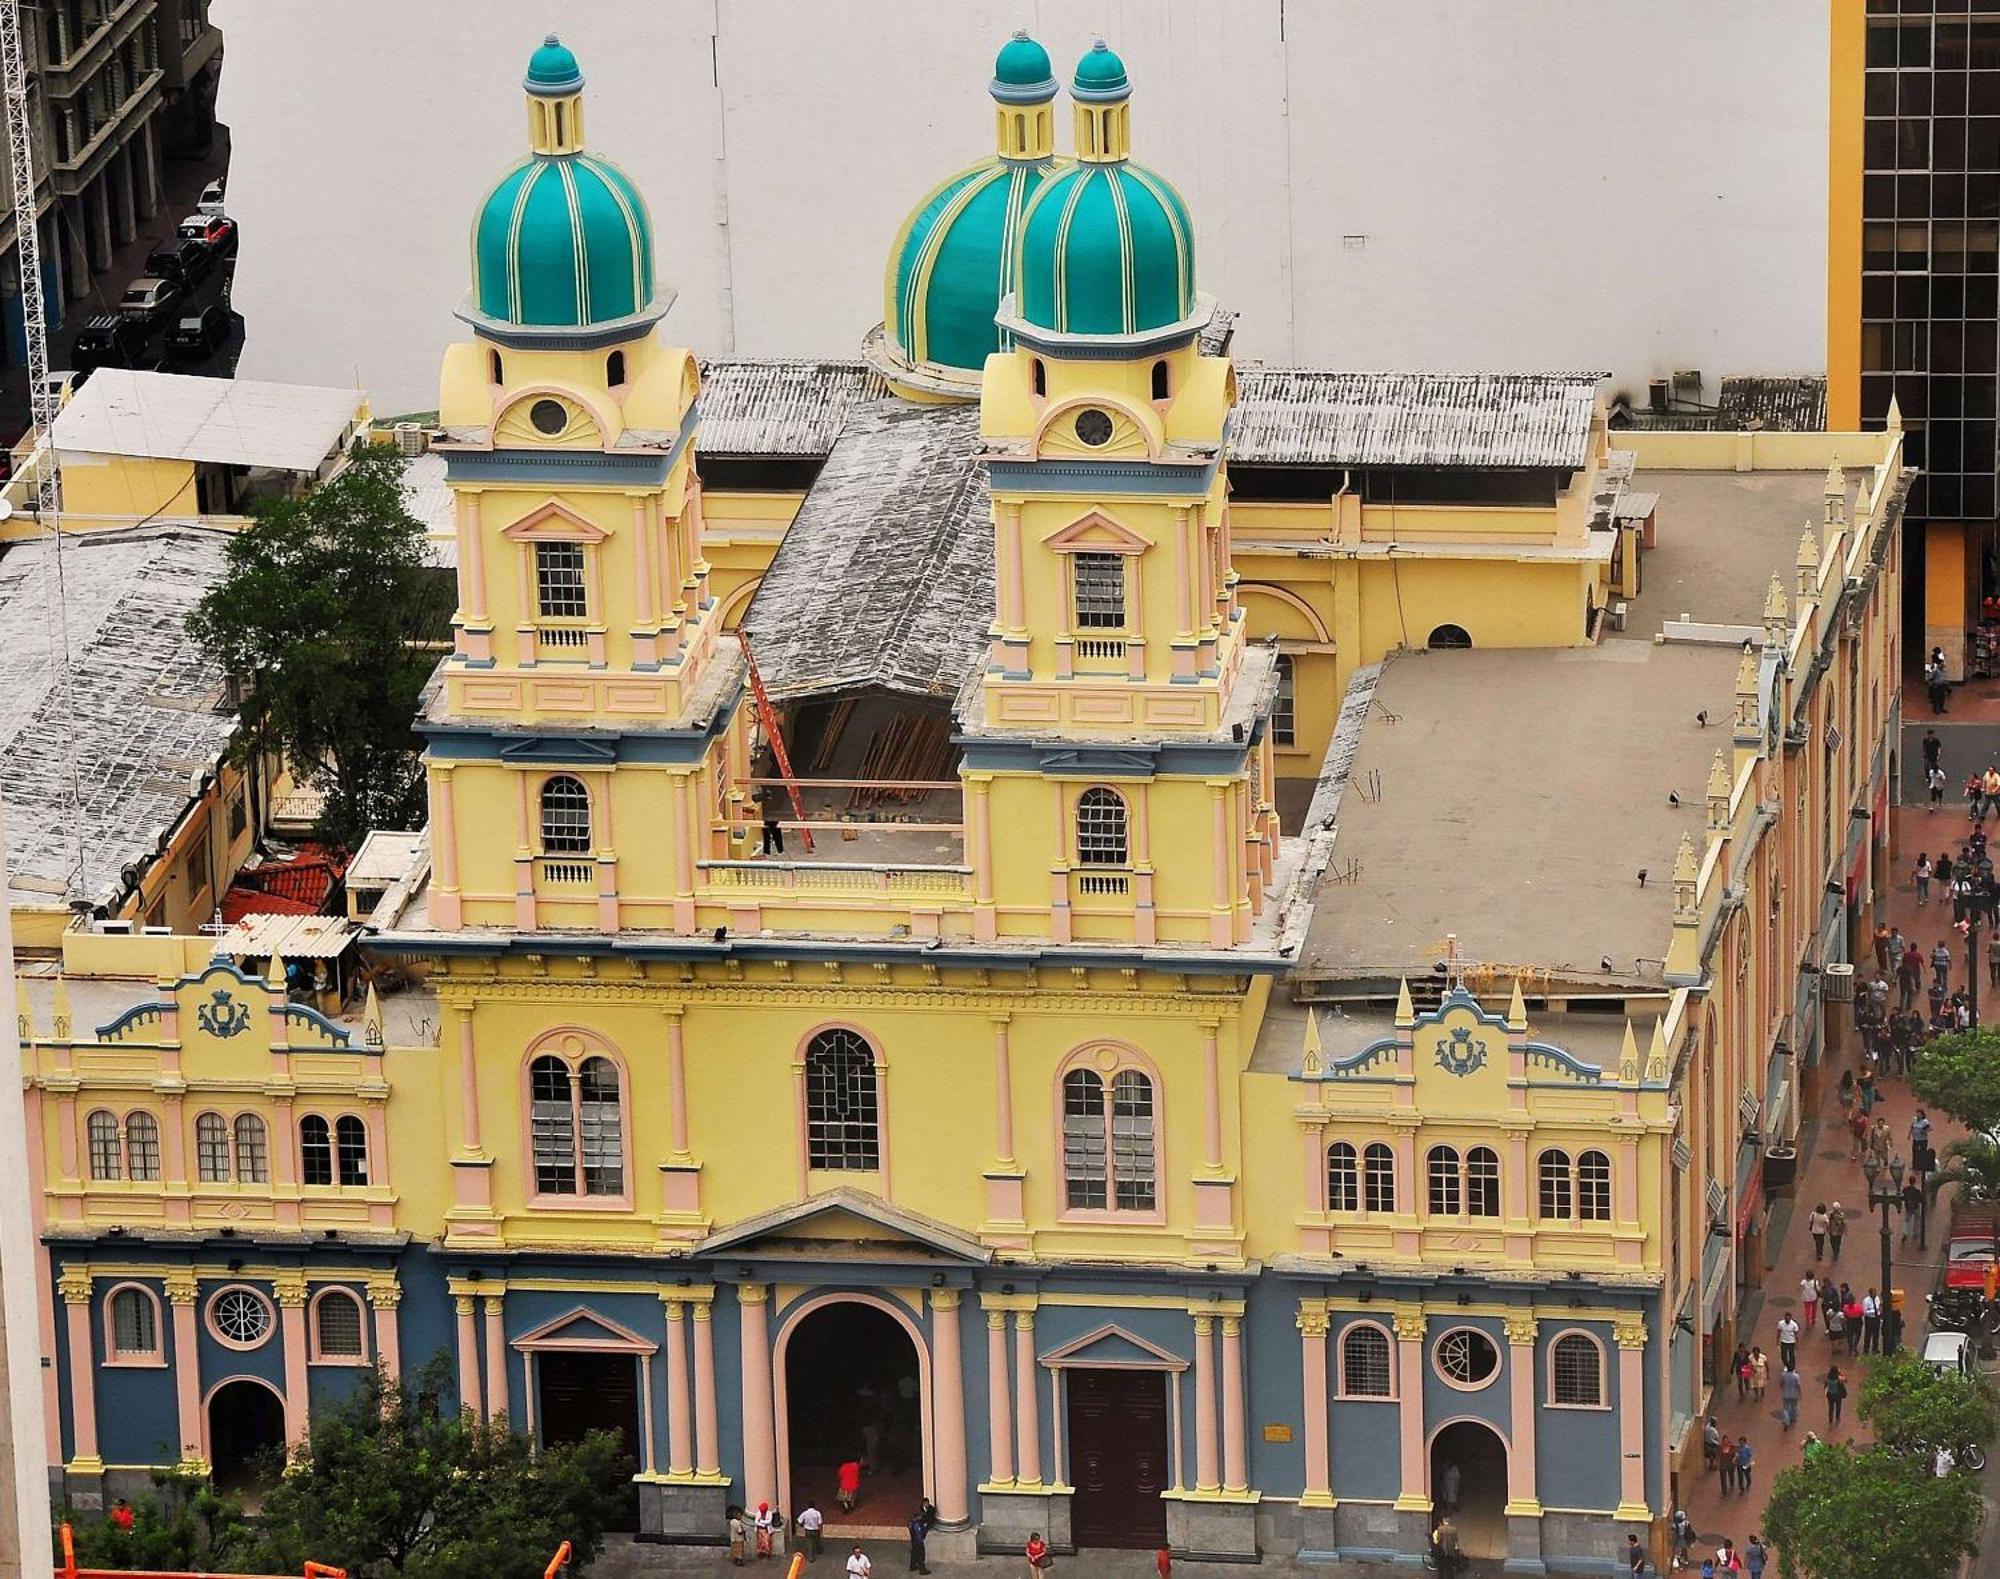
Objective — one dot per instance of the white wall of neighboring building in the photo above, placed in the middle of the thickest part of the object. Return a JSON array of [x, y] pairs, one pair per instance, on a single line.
[[1376, 183]]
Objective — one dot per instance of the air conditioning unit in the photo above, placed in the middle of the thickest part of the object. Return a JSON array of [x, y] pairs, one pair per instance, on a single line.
[[411, 439], [1619, 613], [121, 929]]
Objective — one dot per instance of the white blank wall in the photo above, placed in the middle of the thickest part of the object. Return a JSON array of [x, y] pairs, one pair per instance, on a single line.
[[1608, 184]]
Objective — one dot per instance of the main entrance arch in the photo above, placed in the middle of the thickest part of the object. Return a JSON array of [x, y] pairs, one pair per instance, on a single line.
[[854, 1382], [1474, 1450], [246, 1429]]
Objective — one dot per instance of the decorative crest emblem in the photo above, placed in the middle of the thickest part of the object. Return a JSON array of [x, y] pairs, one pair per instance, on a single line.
[[1460, 1053], [222, 1015]]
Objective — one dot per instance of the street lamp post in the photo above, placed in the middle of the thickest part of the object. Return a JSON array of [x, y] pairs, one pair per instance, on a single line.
[[1972, 961], [1885, 1189]]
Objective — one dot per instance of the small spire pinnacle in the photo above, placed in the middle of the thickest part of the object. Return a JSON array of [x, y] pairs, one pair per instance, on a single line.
[[1517, 1009], [1406, 1011], [1656, 1052], [1628, 1057]]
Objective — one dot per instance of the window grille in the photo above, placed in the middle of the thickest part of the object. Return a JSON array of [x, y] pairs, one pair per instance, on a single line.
[[1364, 1363], [1100, 827], [135, 1324], [565, 816], [211, 1149], [552, 1133], [315, 1150], [337, 1318], [600, 1136], [142, 1147], [1441, 1166], [1380, 1168], [1482, 1182], [559, 588], [1343, 1178], [1553, 1193], [106, 1162], [1084, 1146], [350, 1137], [841, 1113], [1579, 1372], [1132, 1140], [1100, 591], [1593, 1187], [251, 1150]]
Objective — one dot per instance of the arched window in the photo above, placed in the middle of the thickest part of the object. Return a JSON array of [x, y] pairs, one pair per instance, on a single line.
[[315, 1150], [493, 366], [1446, 637], [565, 816], [211, 1149], [142, 1147], [1553, 1193], [135, 1325], [106, 1161], [1108, 1142], [350, 1146], [842, 1114], [1040, 373], [1343, 1178], [252, 1164], [1379, 1169], [1285, 710], [1441, 1169], [614, 369], [1593, 1187], [1100, 827], [576, 1125], [1576, 1371], [1160, 377], [1482, 1182], [337, 1329], [1364, 1363]]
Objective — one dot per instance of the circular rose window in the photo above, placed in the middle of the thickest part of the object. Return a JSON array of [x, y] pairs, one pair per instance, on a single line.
[[1467, 1358], [548, 416], [1093, 427], [240, 1318]]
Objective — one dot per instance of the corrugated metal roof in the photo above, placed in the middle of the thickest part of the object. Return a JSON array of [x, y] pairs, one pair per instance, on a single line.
[[289, 937], [1783, 405], [227, 421], [759, 406], [885, 577], [1295, 416]]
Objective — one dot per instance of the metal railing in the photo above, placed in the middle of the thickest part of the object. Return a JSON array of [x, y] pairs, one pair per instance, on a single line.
[[813, 877]]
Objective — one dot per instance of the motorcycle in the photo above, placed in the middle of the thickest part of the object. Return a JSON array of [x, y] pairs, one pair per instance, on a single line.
[[1963, 1310]]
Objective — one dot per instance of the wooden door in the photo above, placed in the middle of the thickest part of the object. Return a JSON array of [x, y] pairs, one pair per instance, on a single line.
[[1118, 1457]]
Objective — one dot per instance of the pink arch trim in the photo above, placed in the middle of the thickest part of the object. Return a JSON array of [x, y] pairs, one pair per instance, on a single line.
[[208, 1400]]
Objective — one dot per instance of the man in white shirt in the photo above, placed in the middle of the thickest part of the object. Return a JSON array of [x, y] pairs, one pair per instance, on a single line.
[[1788, 1341], [858, 1565], [810, 1522]]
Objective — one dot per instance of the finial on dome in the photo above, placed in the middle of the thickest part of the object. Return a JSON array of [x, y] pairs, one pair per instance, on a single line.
[[1022, 73], [552, 71]]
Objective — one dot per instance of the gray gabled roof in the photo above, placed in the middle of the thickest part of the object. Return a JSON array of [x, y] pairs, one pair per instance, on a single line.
[[759, 406], [885, 577], [1298, 416]]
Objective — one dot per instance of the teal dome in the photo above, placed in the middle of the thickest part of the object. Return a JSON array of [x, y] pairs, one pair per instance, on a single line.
[[1022, 71], [552, 70], [1101, 75], [1105, 249], [563, 241], [953, 263]]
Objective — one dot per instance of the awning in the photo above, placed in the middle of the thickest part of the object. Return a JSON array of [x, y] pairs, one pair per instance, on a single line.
[[289, 937], [1715, 1283]]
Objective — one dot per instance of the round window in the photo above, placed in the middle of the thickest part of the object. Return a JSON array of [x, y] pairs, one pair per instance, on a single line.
[[1093, 427], [240, 1317], [548, 416], [1467, 1358]]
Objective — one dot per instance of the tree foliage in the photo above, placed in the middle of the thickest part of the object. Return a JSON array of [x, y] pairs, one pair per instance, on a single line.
[[1959, 1073], [315, 618], [1878, 1514], [390, 1485], [184, 1525], [1913, 1405]]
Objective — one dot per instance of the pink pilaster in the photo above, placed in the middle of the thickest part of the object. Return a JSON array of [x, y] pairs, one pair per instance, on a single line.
[[1318, 1444], [468, 1086], [445, 902], [468, 1354], [1521, 1498], [471, 559], [291, 1302], [1235, 1453], [677, 1085], [1410, 1327], [999, 1412], [1631, 1337], [387, 1298], [707, 1433], [680, 1422], [1211, 1091], [760, 1452], [181, 1295], [496, 1356], [642, 543], [76, 1293], [948, 1406], [1003, 1093], [1027, 1402], [1221, 929], [1207, 1475], [648, 1459]]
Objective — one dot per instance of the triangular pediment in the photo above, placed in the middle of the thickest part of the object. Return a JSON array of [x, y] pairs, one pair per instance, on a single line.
[[1113, 1347], [554, 523], [584, 1328], [849, 1222], [1097, 533]]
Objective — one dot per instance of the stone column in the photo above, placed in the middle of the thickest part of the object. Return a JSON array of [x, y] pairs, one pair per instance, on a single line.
[[1319, 1445], [182, 1293], [468, 1353], [387, 1298], [707, 1433], [1206, 1475], [1521, 1498], [680, 1420], [76, 1293], [1235, 1449], [496, 1356], [1410, 1329], [290, 1295], [760, 1451], [1631, 1338], [1027, 1402], [948, 1406], [1000, 1438]]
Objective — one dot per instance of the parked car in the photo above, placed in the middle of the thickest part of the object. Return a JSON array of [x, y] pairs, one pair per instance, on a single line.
[[181, 261], [109, 340], [150, 301], [217, 232], [1968, 1255], [197, 336], [1949, 1353], [211, 195]]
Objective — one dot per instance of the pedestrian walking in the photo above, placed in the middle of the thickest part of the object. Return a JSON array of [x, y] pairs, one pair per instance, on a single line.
[[1756, 1557], [1836, 1228], [858, 1565], [1881, 946], [1788, 1336], [919, 1529], [739, 1537], [1836, 1324], [1850, 1308], [1933, 748], [1788, 1397], [1836, 1395], [1680, 1531], [1760, 1372], [1445, 1538], [1711, 1443], [1739, 1366], [1935, 779], [1941, 965], [1726, 1458], [1635, 1557], [1746, 1460], [811, 1522], [1816, 1222], [1913, 1208], [1809, 1300], [1829, 1301], [1921, 872], [1037, 1553]]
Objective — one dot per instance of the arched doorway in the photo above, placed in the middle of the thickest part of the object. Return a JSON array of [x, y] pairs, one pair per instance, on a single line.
[[1474, 1450], [1446, 637], [578, 1391], [855, 1389], [246, 1434]]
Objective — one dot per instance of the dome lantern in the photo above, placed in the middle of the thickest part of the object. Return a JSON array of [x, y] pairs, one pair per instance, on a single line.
[[1102, 94], [1024, 90]]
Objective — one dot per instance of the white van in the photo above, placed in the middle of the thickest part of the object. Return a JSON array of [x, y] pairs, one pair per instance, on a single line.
[[1949, 1352]]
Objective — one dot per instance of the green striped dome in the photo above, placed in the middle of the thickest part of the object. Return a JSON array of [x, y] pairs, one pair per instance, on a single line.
[[563, 241], [1106, 249], [954, 262]]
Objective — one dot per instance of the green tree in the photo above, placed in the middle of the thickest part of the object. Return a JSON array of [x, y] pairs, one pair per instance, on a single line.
[[1960, 1074], [1914, 1405], [318, 618], [390, 1485], [184, 1525], [1870, 1515]]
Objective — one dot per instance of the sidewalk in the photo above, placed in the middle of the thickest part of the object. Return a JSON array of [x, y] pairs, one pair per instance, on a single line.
[[1827, 1175]]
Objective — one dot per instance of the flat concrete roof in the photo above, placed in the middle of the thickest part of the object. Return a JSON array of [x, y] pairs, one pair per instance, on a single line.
[[1511, 798], [230, 421]]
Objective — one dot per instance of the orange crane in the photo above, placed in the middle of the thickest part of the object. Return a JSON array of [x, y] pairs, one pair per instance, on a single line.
[[767, 719]]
